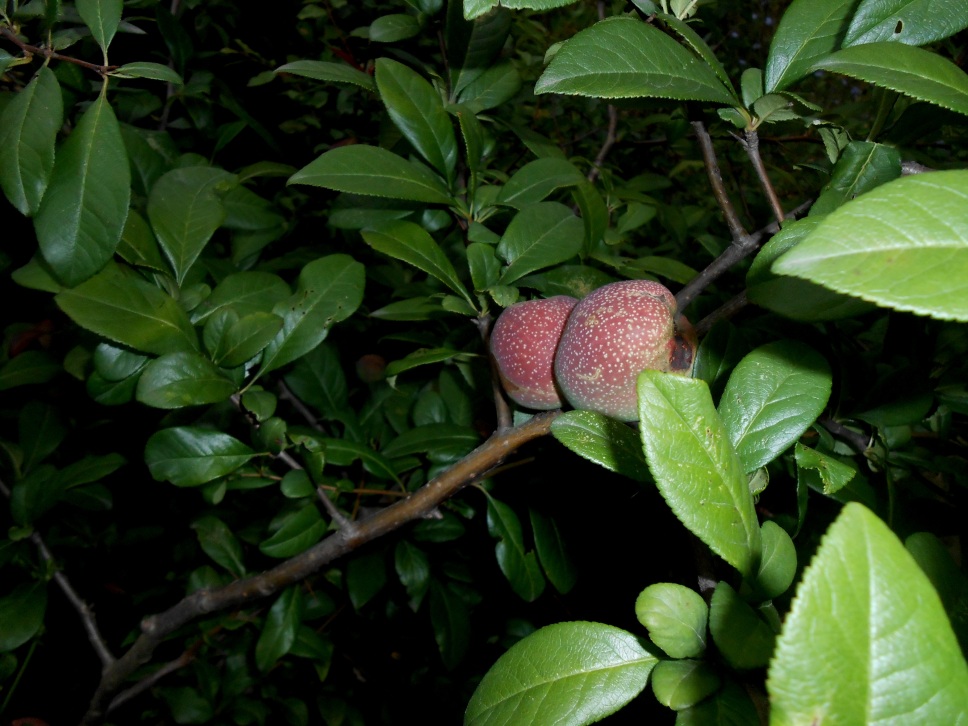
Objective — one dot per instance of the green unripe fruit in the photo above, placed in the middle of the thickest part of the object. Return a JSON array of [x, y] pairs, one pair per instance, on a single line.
[[614, 334], [523, 343]]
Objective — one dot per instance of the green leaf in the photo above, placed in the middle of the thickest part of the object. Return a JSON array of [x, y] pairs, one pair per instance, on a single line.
[[413, 244], [413, 569], [540, 235], [22, 614], [808, 30], [233, 340], [536, 180], [343, 452], [30, 367], [452, 624], [247, 293], [436, 438], [138, 245], [475, 8], [520, 567], [279, 632], [778, 561], [28, 131], [418, 111], [862, 166], [329, 290], [604, 440], [392, 28], [675, 617], [218, 542], [146, 69], [82, 214], [903, 245], [834, 475], [421, 357], [679, 684], [906, 69], [370, 170], [915, 22], [185, 210], [35, 494], [318, 380], [864, 598], [696, 468], [41, 430], [698, 45], [622, 57], [177, 380], [567, 674], [102, 17], [298, 532], [948, 579], [731, 706], [128, 310], [329, 72], [495, 86], [365, 577], [742, 637], [188, 455], [772, 397], [790, 296], [553, 553], [90, 469]]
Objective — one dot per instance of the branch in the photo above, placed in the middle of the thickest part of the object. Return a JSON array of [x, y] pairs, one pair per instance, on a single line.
[[48, 53], [751, 143], [83, 609], [736, 229], [154, 629], [611, 136]]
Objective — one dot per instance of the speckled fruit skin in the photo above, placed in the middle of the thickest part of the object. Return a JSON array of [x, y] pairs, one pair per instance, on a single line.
[[612, 335], [523, 342]]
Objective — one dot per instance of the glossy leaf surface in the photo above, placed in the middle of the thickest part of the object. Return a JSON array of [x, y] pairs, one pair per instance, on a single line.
[[176, 380], [675, 617], [915, 22], [540, 235], [604, 440], [188, 456], [808, 30]]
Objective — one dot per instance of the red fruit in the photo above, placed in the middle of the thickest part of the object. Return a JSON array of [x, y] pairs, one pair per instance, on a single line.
[[523, 343], [614, 334]]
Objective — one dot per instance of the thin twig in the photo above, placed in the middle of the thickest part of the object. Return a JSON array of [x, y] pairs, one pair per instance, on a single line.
[[751, 143], [53, 54], [736, 229], [476, 465], [147, 682], [334, 513], [611, 135]]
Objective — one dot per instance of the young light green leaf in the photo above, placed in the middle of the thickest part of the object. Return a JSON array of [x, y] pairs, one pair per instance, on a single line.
[[152, 71], [772, 397], [540, 235], [329, 72], [552, 552], [519, 566], [903, 245], [913, 71], [81, 216], [279, 632], [28, 131], [808, 30], [568, 674], [833, 474], [299, 531], [603, 440], [778, 561], [536, 180], [185, 210], [22, 614], [675, 617], [177, 380], [696, 467], [743, 638], [476, 8], [623, 57], [679, 684], [370, 170], [102, 17], [914, 22], [189, 455], [131, 311], [329, 290], [219, 543], [413, 244], [864, 598], [418, 111]]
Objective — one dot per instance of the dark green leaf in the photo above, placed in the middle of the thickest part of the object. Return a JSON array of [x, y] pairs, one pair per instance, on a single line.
[[534, 181], [413, 569], [145, 69], [22, 614], [246, 293], [329, 72], [28, 130], [370, 170], [729, 707], [865, 598], [540, 235], [742, 637], [623, 57], [365, 577], [218, 542], [82, 214], [553, 553], [128, 310], [495, 86], [298, 532], [318, 380], [915, 22], [102, 17], [451, 622], [189, 456], [30, 367], [233, 340], [862, 167], [696, 467], [772, 397], [177, 380], [394, 27], [936, 561], [279, 632], [41, 430], [519, 566], [435, 438], [808, 30], [569, 674]]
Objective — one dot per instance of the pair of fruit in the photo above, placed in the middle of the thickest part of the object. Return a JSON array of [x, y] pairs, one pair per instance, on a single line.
[[590, 352]]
